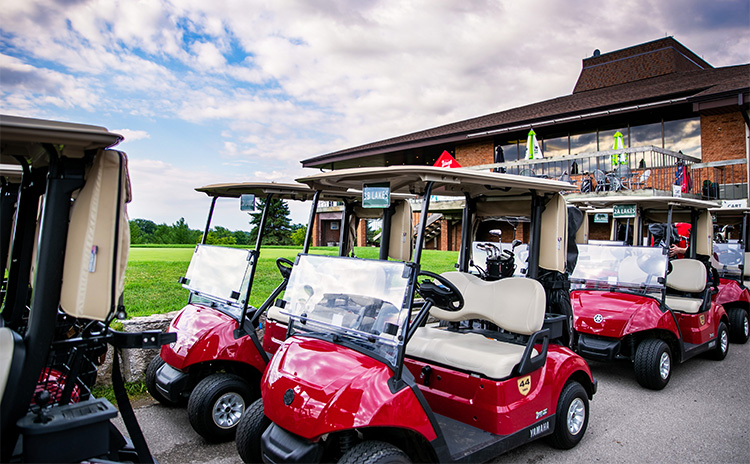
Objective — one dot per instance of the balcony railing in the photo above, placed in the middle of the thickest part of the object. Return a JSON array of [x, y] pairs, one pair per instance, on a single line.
[[641, 168]]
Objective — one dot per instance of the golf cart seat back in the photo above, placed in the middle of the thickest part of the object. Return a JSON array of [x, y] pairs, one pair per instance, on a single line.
[[98, 241], [401, 241], [553, 245], [11, 354], [704, 235], [688, 275], [519, 307]]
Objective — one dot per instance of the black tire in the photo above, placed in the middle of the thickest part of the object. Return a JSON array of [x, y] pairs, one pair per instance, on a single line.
[[739, 326], [249, 430], [217, 404], [374, 452], [722, 343], [153, 366], [653, 364], [571, 417]]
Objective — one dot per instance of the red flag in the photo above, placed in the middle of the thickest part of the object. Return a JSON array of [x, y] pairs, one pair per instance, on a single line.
[[446, 161]]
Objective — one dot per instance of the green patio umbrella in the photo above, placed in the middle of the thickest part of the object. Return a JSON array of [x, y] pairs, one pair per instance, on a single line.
[[532, 147], [619, 158]]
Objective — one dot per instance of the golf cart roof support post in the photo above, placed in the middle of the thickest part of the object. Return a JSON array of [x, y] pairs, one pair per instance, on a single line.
[[208, 220], [7, 212], [627, 230], [422, 223], [537, 207], [638, 227], [464, 253], [668, 234], [22, 245], [310, 222], [692, 248], [385, 234], [63, 179], [745, 241], [255, 254], [346, 216]]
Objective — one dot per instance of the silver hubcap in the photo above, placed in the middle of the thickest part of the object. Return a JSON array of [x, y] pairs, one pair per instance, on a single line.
[[576, 416], [724, 340], [228, 410], [745, 326], [664, 365]]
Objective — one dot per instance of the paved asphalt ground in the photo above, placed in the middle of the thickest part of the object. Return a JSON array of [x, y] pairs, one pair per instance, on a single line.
[[702, 416]]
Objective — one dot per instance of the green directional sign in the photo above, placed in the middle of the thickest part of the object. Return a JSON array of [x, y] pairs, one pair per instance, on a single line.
[[623, 211], [601, 218], [376, 195]]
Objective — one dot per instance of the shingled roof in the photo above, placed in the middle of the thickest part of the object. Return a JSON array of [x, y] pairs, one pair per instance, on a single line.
[[663, 71]]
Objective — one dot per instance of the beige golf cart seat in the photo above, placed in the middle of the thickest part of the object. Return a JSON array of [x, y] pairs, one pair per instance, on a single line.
[[515, 304], [688, 275]]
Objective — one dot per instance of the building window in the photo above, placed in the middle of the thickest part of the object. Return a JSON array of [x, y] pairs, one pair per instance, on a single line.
[[683, 135], [646, 135]]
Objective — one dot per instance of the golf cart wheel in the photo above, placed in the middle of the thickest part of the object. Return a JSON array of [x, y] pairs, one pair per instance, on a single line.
[[249, 430], [722, 343], [217, 405], [572, 416], [374, 452], [739, 326], [653, 363], [153, 366]]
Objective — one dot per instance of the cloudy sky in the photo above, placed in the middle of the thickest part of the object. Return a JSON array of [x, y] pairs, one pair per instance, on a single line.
[[242, 90]]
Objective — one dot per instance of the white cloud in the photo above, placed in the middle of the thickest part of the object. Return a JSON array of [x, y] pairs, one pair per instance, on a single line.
[[131, 135], [286, 80]]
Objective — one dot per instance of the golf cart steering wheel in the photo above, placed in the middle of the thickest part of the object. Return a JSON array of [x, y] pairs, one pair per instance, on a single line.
[[442, 294], [285, 267]]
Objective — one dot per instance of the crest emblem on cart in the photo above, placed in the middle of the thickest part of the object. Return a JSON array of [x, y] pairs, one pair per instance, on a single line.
[[703, 319], [524, 385], [598, 318]]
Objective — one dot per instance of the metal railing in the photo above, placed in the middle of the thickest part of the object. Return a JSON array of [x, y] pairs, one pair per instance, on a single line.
[[641, 168]]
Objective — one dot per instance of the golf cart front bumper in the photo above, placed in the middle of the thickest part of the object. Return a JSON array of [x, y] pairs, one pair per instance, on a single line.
[[279, 446], [598, 348], [171, 383]]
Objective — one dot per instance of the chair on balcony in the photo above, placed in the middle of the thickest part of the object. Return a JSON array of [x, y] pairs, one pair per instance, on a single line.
[[624, 175], [642, 180], [527, 172], [601, 180]]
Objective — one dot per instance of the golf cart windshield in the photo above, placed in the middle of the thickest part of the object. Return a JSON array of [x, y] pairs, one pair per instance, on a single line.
[[728, 259], [354, 300], [219, 274], [630, 268]]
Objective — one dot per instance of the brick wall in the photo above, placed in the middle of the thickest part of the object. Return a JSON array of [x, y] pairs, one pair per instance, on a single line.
[[473, 154], [362, 233], [722, 136]]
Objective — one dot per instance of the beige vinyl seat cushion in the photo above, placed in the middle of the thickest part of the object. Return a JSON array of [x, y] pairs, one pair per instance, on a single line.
[[688, 275], [684, 305], [274, 314], [515, 304]]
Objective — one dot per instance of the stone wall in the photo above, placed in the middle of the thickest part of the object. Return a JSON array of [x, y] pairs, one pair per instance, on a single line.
[[134, 362]]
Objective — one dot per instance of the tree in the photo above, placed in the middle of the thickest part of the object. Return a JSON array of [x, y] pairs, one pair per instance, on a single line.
[[220, 236], [181, 233], [278, 229], [298, 236]]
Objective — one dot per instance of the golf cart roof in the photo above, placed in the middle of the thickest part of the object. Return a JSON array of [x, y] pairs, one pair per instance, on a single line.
[[25, 136], [729, 212], [646, 202], [11, 172], [447, 181], [283, 190]]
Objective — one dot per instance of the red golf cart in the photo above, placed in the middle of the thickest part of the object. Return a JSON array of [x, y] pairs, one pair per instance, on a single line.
[[730, 250], [371, 373], [218, 358], [633, 302]]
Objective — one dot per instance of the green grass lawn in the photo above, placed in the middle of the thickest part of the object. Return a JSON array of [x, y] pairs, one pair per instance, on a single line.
[[151, 279]]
